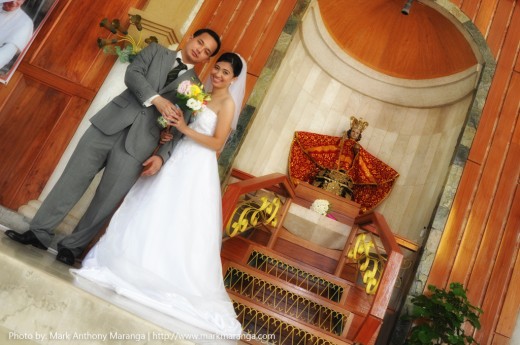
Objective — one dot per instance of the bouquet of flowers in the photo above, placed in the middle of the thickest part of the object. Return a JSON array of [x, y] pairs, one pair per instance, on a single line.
[[321, 206], [194, 96]]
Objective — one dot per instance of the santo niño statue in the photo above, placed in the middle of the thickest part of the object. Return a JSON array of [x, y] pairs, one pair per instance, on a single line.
[[341, 165]]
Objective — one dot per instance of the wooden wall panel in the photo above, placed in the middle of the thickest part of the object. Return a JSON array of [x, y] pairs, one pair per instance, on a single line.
[[517, 65], [270, 34], [50, 92], [457, 3], [474, 230], [501, 340], [457, 220], [491, 274], [511, 46], [32, 182], [502, 161], [485, 15], [250, 28], [470, 8], [72, 42], [500, 282], [507, 321], [24, 125], [498, 26], [236, 31], [497, 92], [487, 258]]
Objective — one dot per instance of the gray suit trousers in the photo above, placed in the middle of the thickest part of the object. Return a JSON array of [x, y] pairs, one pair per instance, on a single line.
[[94, 152]]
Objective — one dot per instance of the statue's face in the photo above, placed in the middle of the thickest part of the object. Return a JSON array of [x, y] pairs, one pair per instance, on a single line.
[[354, 133]]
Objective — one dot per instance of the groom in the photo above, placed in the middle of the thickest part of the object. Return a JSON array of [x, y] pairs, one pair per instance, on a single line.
[[121, 139]]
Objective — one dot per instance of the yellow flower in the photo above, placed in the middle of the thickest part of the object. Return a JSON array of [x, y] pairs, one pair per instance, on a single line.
[[195, 90]]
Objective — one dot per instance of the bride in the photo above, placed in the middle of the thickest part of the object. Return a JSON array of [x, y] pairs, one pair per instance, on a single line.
[[162, 247]]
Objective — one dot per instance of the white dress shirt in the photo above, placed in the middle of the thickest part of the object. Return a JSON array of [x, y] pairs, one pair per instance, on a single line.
[[148, 102]]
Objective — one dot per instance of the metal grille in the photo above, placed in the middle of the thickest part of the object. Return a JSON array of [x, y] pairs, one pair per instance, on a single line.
[[286, 302], [295, 276], [257, 323]]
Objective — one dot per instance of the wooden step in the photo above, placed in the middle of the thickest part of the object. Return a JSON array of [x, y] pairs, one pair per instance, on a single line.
[[297, 273], [238, 249], [353, 295], [260, 321], [282, 298], [303, 277], [353, 298]]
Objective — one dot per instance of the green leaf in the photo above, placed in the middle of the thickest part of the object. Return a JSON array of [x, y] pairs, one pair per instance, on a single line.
[[439, 317]]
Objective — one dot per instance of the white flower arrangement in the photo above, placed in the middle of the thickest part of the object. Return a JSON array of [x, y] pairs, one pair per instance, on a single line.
[[194, 104], [321, 206]]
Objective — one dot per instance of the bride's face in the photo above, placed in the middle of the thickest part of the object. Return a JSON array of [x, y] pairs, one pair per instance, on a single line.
[[222, 74]]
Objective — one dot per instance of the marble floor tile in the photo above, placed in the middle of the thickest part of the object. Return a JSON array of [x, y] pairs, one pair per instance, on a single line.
[[42, 303]]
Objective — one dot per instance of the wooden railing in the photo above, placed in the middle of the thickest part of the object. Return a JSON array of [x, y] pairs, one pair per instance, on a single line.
[[376, 223], [251, 184], [371, 223]]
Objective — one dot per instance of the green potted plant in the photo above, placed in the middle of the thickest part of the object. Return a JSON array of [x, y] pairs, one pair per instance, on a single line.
[[438, 317], [125, 46]]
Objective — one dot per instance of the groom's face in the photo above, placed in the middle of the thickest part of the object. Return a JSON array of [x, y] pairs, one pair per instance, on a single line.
[[199, 49]]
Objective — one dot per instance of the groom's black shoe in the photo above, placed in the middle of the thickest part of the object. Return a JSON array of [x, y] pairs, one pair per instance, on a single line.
[[27, 237], [66, 256]]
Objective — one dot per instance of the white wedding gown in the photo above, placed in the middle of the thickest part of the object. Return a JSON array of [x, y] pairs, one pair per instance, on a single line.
[[162, 247]]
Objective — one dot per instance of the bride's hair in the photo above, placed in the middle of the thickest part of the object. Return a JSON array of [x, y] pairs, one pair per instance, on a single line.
[[234, 60], [236, 89]]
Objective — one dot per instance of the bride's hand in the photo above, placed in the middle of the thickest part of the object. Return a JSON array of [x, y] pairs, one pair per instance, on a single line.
[[179, 122], [171, 116]]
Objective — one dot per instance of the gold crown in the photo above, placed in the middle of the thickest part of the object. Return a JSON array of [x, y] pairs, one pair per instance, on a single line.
[[360, 124]]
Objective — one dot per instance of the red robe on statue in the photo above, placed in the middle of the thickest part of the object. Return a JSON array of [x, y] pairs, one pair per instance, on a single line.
[[372, 178]]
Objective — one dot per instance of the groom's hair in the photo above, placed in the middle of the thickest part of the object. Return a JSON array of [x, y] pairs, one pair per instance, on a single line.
[[213, 34]]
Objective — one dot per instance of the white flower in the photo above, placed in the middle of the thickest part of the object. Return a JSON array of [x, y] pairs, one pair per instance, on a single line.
[[194, 104], [321, 206]]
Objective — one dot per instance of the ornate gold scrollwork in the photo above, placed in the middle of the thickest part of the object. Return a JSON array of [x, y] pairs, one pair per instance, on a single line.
[[251, 213], [369, 264]]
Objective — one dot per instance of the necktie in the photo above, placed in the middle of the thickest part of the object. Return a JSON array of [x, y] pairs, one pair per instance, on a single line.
[[174, 73]]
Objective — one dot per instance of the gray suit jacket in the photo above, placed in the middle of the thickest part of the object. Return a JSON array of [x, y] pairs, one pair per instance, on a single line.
[[144, 77]]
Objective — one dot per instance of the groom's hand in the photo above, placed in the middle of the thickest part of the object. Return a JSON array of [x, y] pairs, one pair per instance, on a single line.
[[153, 165], [166, 136], [164, 106]]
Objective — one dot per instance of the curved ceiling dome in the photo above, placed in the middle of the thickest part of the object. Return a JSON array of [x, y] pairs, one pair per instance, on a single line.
[[421, 45]]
